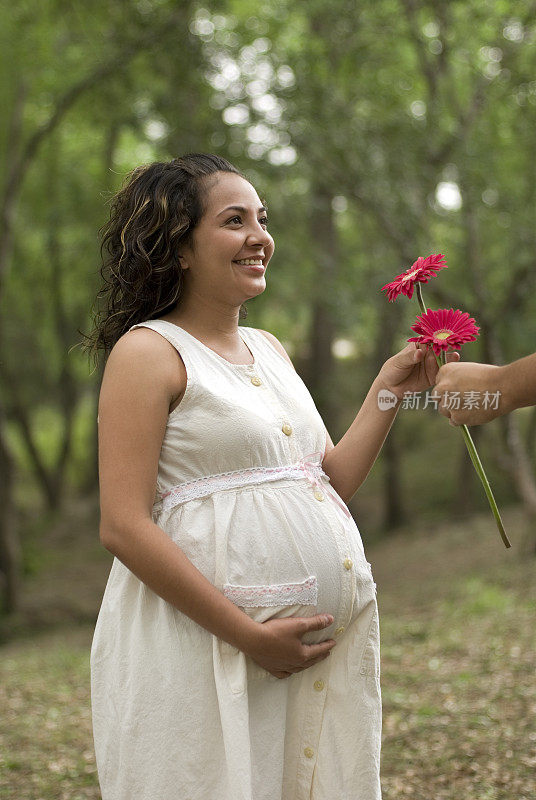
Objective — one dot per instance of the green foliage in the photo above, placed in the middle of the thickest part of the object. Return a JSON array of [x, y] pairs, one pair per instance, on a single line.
[[373, 105]]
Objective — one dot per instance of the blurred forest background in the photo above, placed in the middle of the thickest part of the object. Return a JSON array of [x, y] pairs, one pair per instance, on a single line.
[[376, 132]]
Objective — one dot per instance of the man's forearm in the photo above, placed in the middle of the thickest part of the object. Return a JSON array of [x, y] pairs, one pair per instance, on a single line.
[[518, 383]]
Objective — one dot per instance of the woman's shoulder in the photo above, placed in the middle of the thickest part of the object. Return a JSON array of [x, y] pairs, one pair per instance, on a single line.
[[144, 343], [145, 352], [274, 341]]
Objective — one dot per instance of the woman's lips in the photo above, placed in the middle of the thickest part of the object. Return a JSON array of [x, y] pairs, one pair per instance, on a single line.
[[259, 268]]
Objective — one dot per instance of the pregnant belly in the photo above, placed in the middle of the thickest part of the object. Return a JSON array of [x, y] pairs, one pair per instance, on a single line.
[[309, 561]]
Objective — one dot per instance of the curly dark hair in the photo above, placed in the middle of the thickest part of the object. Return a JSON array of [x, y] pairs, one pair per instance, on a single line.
[[157, 208]]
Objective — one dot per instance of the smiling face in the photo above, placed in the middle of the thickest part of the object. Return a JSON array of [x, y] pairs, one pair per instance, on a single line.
[[224, 236]]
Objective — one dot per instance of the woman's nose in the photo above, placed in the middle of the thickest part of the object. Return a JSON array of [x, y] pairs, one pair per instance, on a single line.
[[260, 236]]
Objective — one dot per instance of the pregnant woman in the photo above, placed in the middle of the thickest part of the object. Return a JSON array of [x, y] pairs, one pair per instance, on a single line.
[[238, 569]]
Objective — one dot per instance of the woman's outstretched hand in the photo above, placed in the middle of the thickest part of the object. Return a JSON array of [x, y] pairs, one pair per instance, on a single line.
[[278, 647], [413, 369]]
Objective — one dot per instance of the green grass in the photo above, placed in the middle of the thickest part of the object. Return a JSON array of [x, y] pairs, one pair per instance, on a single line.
[[46, 746], [457, 621], [458, 657]]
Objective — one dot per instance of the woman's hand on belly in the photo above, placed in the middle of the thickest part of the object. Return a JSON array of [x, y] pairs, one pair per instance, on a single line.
[[277, 645]]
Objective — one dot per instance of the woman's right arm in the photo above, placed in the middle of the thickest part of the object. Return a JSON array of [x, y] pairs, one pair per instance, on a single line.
[[142, 376]]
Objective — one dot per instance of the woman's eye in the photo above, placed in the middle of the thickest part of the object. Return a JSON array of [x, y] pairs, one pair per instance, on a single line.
[[262, 220]]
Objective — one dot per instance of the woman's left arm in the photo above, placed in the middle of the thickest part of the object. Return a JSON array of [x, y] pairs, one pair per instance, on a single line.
[[349, 462], [413, 369]]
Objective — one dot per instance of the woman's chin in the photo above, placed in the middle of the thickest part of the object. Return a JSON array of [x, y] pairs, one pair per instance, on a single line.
[[257, 287]]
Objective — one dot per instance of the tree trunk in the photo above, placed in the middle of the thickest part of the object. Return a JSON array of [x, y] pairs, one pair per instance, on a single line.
[[91, 478], [530, 437], [90, 483], [320, 364], [395, 513], [19, 414], [521, 468], [50, 479], [10, 550], [520, 465], [524, 482], [67, 385]]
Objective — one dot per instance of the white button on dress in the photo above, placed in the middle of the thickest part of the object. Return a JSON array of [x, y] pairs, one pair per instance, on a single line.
[[179, 713]]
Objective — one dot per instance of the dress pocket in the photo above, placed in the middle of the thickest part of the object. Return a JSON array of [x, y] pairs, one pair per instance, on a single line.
[[263, 602], [273, 594]]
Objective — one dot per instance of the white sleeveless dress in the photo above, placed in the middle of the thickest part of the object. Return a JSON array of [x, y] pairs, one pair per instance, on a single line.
[[179, 714]]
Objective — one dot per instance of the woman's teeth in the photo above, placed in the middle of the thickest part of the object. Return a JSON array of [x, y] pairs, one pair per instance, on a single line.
[[250, 262]]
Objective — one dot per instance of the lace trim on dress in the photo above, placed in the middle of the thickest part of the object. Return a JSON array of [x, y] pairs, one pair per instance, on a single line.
[[309, 467], [274, 594], [201, 487]]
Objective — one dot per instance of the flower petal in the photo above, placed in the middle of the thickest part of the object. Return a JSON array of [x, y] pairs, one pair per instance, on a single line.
[[460, 326], [420, 272]]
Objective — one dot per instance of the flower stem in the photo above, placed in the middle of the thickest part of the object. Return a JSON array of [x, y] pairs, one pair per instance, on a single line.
[[470, 444], [477, 464], [420, 298], [487, 488]]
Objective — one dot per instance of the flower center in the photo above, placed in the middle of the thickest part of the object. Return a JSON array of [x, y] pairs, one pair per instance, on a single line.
[[443, 334], [410, 275]]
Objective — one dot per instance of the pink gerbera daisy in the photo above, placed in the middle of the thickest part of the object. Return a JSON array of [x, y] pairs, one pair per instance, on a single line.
[[444, 328], [421, 271]]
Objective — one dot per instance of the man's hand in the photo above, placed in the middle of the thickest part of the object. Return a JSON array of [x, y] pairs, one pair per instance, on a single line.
[[469, 376]]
